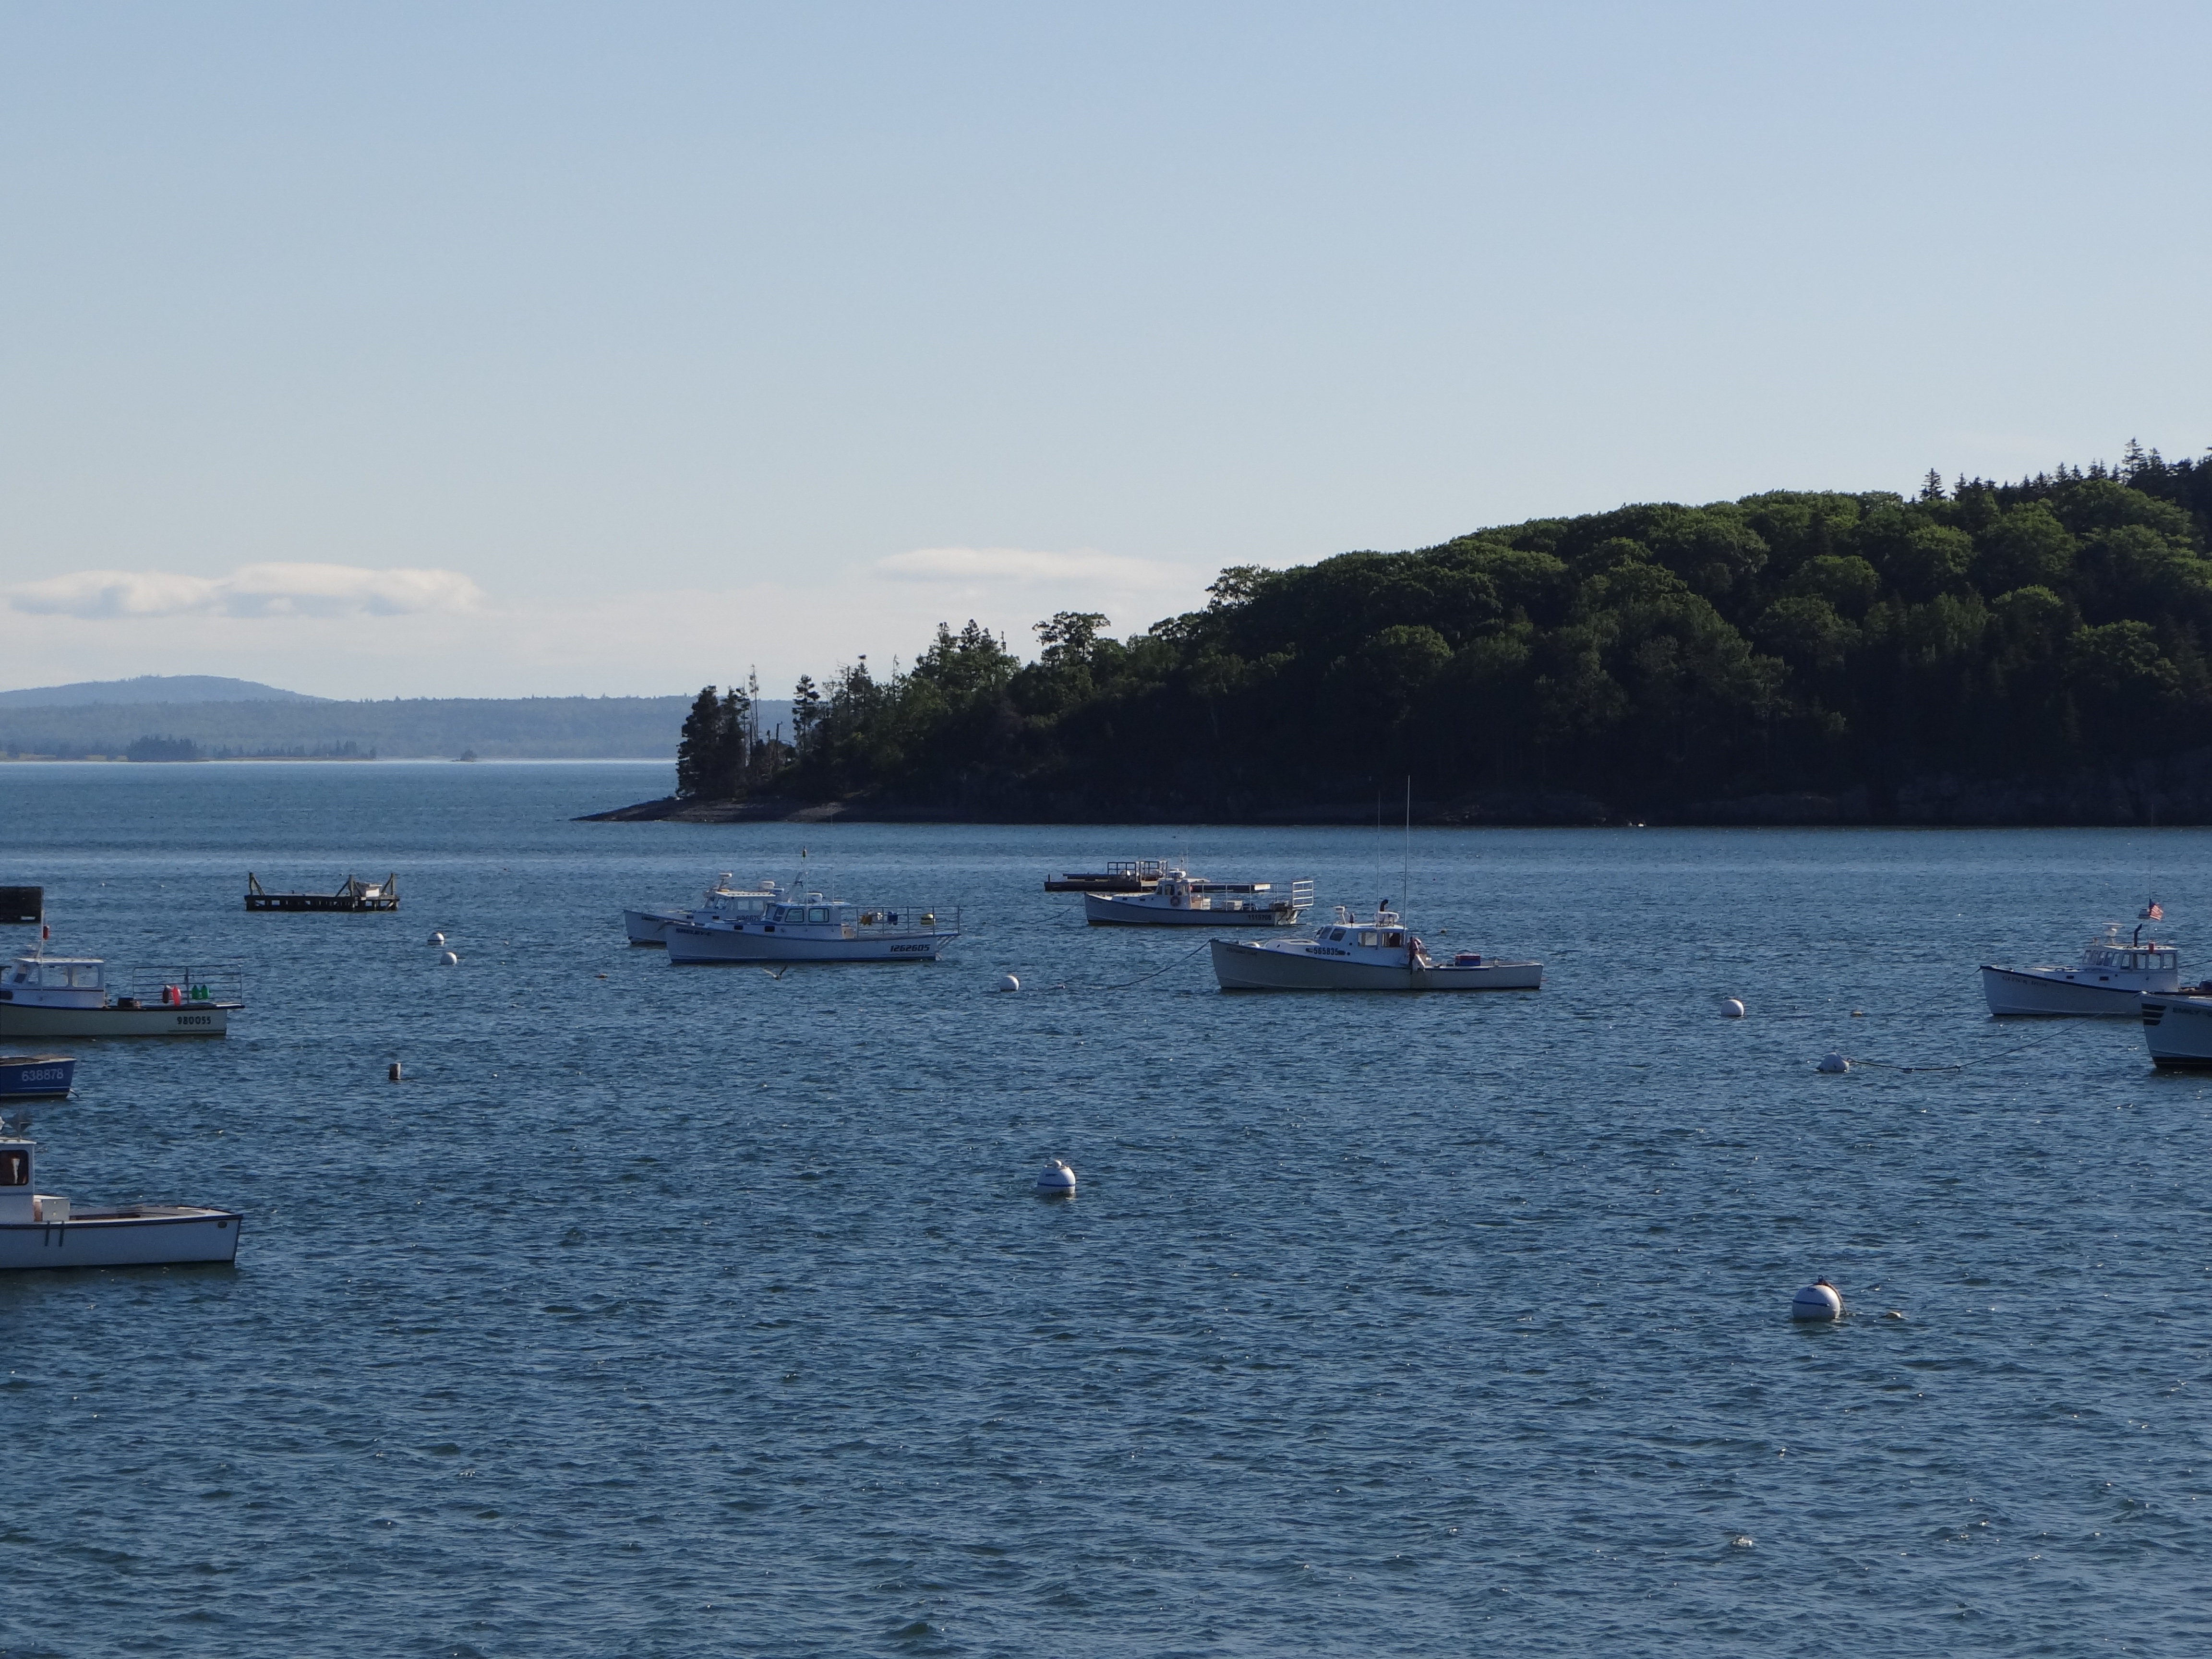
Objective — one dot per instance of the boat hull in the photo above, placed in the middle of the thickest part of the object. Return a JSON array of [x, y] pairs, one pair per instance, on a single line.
[[25, 1077], [649, 927], [1111, 911], [2010, 990], [690, 946], [150, 1236], [2178, 1031], [186, 1019], [1256, 968]]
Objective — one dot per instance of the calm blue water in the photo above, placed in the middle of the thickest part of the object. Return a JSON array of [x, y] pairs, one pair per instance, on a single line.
[[675, 1312]]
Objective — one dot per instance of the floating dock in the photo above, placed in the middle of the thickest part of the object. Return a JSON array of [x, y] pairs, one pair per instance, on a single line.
[[353, 895], [1120, 876]]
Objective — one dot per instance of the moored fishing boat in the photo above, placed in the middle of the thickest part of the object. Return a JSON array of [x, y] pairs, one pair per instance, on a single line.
[[44, 1230], [26, 1077], [721, 900], [51, 996], [2178, 1028], [2111, 979], [1373, 953], [816, 929], [1179, 899]]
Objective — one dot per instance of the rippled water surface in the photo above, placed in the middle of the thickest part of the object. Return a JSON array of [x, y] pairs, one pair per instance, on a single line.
[[671, 1311]]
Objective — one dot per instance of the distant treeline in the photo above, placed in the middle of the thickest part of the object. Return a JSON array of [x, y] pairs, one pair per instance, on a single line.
[[531, 728], [1653, 660], [183, 748]]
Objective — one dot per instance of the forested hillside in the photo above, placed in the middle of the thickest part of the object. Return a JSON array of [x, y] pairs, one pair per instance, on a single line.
[[1653, 661]]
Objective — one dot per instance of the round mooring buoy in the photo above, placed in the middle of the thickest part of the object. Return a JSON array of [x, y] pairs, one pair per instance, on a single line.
[[1818, 1300], [1732, 1008], [450, 960], [1009, 983], [1833, 1065], [394, 1073], [1058, 1181], [437, 939]]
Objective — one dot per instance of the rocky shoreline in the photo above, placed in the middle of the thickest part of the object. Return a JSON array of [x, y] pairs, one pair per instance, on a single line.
[[2173, 791]]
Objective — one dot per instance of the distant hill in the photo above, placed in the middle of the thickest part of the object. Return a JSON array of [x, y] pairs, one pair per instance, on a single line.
[[151, 688], [491, 728]]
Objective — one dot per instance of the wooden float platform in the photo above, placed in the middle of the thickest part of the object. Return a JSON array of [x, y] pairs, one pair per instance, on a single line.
[[1120, 876], [354, 894]]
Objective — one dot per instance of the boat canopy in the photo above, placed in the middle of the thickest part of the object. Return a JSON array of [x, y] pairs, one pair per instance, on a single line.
[[58, 973]]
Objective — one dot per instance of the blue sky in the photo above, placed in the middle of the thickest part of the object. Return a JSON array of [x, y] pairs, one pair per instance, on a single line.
[[479, 349]]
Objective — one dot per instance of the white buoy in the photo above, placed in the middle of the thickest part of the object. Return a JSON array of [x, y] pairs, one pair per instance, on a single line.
[[1732, 1008], [437, 939], [1009, 983], [1058, 1181], [1818, 1300], [1833, 1065], [450, 960]]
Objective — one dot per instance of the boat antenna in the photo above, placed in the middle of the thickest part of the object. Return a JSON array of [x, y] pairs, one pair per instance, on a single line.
[[1405, 872], [1383, 904]]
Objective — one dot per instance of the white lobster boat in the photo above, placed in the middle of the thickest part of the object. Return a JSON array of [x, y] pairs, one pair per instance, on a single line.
[[816, 929], [1182, 899], [721, 900], [50, 996], [1374, 953], [2111, 979], [2177, 1028], [42, 1229]]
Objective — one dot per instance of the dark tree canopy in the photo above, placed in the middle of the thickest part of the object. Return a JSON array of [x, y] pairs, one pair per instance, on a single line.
[[1649, 657]]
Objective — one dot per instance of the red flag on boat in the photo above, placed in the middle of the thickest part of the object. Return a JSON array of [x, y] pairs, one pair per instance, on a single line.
[[2153, 912]]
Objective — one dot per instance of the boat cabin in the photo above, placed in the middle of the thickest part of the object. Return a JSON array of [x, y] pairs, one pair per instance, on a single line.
[[817, 914], [16, 1157], [2150, 958], [56, 981], [1374, 936], [1383, 939]]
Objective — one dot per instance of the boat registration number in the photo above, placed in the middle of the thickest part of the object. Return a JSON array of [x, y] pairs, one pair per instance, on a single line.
[[195, 1020], [41, 1074], [909, 950]]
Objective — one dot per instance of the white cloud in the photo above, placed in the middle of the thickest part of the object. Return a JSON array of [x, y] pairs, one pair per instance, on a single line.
[[299, 626], [253, 590], [1016, 564]]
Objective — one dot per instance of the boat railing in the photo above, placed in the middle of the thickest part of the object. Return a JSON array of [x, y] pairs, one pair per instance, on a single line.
[[158, 986], [1302, 896], [873, 920], [1142, 869]]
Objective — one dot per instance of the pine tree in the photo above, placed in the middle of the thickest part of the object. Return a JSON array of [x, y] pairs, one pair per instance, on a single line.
[[699, 748], [755, 758], [805, 709]]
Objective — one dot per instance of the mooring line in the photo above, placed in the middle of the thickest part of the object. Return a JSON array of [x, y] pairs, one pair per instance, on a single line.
[[1957, 1066], [1063, 985]]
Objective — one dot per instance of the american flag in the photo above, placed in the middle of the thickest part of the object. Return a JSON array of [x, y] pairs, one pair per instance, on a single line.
[[2152, 912]]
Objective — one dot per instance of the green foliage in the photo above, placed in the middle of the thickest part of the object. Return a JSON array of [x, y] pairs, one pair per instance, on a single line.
[[721, 754], [1651, 655]]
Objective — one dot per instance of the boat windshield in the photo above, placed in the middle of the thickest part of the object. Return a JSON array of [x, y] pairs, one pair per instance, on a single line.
[[56, 975]]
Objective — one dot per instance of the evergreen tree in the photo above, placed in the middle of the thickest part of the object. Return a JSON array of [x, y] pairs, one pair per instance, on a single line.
[[805, 709], [698, 752]]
